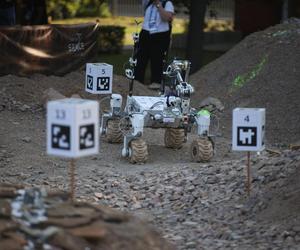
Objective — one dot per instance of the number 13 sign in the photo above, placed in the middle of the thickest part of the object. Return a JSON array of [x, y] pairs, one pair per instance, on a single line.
[[72, 127]]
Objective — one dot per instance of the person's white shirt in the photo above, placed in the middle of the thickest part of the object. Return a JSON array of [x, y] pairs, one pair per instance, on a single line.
[[152, 20]]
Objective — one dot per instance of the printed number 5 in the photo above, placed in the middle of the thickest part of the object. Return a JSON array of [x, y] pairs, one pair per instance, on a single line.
[[60, 114], [103, 71], [247, 119]]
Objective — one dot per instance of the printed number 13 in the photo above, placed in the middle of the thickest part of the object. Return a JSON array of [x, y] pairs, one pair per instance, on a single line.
[[60, 114], [86, 114]]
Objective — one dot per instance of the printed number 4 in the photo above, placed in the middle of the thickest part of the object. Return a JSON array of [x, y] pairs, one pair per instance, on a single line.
[[247, 119]]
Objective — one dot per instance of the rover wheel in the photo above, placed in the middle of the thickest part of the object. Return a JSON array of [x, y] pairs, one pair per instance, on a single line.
[[138, 151], [174, 138], [202, 150], [113, 132]]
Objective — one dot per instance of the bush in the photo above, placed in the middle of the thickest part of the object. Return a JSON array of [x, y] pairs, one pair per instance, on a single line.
[[104, 10], [99, 10], [111, 39], [60, 9]]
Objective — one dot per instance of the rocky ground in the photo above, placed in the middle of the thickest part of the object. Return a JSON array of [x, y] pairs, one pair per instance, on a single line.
[[193, 205]]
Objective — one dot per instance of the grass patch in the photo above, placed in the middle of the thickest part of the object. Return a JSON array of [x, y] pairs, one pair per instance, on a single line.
[[118, 60]]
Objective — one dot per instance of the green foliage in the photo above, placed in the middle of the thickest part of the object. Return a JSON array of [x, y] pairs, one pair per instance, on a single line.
[[61, 9], [182, 2], [111, 39], [104, 10], [90, 8]]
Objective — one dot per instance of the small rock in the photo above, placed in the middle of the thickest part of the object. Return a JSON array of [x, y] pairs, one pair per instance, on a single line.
[[50, 95], [212, 180], [296, 229], [239, 206], [191, 244], [190, 223], [24, 108], [26, 139], [136, 206], [99, 195], [289, 240]]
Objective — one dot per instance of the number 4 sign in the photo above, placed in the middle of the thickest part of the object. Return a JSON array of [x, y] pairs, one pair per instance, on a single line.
[[248, 129], [72, 127]]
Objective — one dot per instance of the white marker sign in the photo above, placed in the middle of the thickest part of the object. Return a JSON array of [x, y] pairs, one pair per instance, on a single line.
[[248, 129], [98, 78], [72, 127]]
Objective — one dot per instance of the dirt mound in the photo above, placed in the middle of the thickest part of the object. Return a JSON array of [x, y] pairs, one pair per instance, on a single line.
[[261, 71], [22, 92]]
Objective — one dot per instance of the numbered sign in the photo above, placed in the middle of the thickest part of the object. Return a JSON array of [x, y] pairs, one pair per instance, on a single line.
[[248, 129], [72, 127], [98, 79]]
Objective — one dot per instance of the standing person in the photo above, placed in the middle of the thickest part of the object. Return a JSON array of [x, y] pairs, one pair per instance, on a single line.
[[34, 12], [7, 12], [154, 40]]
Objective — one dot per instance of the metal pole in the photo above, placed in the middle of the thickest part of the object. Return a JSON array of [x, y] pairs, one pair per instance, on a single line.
[[248, 174], [72, 179]]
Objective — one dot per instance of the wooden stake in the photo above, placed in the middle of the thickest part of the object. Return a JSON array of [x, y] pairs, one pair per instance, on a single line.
[[72, 179], [248, 174]]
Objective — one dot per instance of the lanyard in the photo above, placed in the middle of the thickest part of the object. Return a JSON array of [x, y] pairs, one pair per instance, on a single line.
[[153, 17]]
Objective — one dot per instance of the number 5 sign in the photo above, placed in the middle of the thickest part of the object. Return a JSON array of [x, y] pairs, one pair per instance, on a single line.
[[98, 79], [72, 127], [248, 129]]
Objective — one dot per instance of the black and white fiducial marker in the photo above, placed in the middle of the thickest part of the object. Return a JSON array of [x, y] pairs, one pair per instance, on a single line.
[[72, 130], [248, 133], [98, 79]]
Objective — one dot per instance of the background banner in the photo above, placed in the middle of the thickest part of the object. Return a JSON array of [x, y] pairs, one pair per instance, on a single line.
[[46, 49]]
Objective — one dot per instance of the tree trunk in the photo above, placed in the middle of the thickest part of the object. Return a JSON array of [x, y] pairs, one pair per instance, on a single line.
[[40, 13], [114, 8], [29, 12], [195, 33]]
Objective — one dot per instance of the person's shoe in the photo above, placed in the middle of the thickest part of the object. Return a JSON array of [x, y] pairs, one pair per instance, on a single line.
[[154, 86]]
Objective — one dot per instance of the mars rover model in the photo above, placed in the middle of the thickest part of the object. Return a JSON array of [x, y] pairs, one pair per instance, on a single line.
[[169, 110]]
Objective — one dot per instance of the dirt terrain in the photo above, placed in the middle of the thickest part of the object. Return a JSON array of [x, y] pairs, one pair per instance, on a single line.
[[260, 71], [193, 205]]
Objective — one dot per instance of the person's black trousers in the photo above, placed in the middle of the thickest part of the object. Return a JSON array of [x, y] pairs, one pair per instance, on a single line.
[[7, 16], [151, 47]]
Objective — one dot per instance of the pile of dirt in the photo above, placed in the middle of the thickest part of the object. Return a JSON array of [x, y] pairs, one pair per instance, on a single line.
[[18, 92], [261, 71]]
